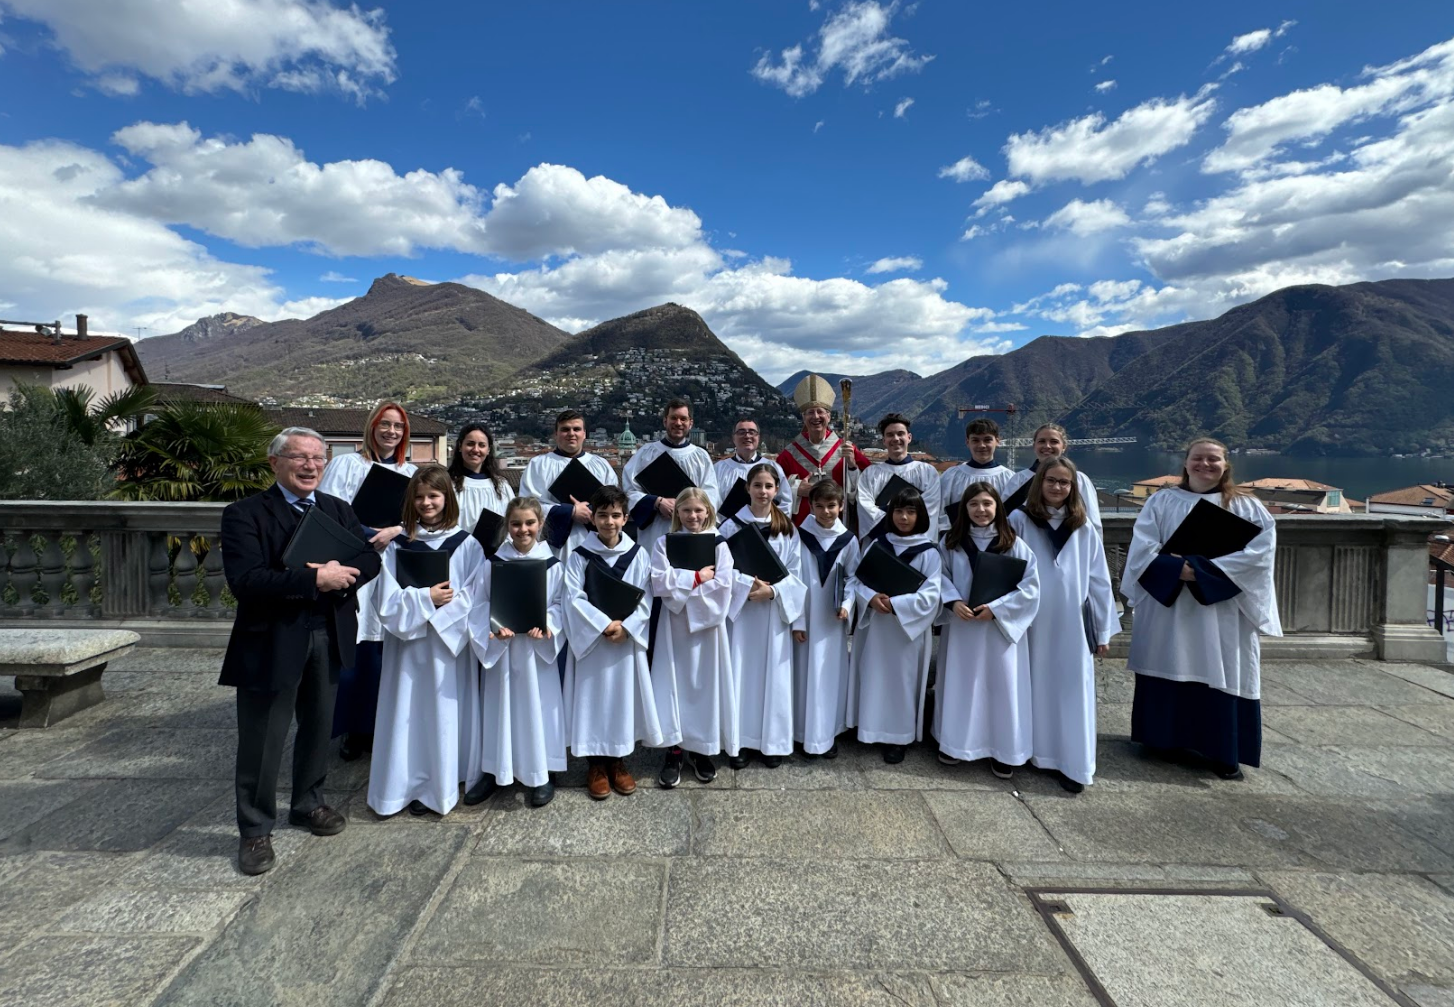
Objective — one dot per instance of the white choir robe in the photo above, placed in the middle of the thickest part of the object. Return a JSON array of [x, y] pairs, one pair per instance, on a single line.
[[982, 696], [921, 474], [890, 665], [692, 460], [1216, 644], [609, 704], [820, 666], [1082, 483], [1062, 668], [427, 729], [760, 634], [691, 668], [560, 524], [730, 469], [342, 478], [481, 494], [522, 726], [954, 481]]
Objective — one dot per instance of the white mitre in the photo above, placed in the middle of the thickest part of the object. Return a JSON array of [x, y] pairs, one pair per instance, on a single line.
[[814, 391]]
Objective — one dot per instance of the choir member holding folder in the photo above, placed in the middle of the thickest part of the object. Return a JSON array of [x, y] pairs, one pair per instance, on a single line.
[[982, 438], [564, 480], [609, 703], [829, 556], [731, 472], [898, 471], [897, 583], [515, 624], [385, 450], [991, 593], [480, 486], [1199, 578], [767, 605], [660, 470], [427, 733], [1076, 621]]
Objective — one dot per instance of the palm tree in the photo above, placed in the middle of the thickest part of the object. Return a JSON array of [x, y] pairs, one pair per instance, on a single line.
[[197, 451], [93, 422]]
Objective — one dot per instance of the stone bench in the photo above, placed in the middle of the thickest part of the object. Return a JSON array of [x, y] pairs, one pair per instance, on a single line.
[[58, 671]]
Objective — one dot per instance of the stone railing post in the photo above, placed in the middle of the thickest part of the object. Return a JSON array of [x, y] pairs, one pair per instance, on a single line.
[[1403, 632], [123, 562]]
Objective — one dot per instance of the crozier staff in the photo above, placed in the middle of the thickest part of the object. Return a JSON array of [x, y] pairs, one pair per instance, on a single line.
[[817, 453]]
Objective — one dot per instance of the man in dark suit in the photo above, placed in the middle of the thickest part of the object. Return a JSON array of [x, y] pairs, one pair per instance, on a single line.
[[294, 630]]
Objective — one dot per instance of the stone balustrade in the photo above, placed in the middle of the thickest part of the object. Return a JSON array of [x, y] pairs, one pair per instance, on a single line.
[[1347, 585]]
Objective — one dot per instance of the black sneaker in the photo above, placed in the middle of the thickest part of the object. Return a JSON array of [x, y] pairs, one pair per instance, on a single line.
[[737, 761], [1073, 786], [945, 759], [671, 769], [893, 754], [1001, 770], [703, 768]]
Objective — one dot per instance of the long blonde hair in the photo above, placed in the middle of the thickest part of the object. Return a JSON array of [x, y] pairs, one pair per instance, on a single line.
[[694, 493], [1229, 490]]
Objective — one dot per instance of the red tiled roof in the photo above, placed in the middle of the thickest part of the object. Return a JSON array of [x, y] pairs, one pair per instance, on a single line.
[[333, 422], [171, 391], [20, 347], [1269, 482], [1414, 496]]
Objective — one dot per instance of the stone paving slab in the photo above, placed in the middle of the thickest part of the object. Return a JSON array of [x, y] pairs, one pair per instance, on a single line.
[[144, 753], [1346, 725], [1082, 875], [123, 911], [991, 826], [23, 802], [36, 888], [170, 660], [852, 915], [878, 825], [1376, 773], [31, 749], [1434, 679], [1430, 996], [66, 971], [1436, 718], [920, 770], [801, 773], [649, 823], [953, 990], [117, 816], [1346, 683], [566, 912]]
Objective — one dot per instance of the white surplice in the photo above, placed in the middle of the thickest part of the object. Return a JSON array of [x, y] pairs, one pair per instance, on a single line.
[[694, 462], [732, 468], [982, 704], [522, 725], [954, 481], [921, 475], [1216, 644], [1082, 483], [691, 668], [760, 634], [609, 704], [820, 666], [1062, 668], [481, 494], [890, 664], [342, 478], [427, 729], [545, 469]]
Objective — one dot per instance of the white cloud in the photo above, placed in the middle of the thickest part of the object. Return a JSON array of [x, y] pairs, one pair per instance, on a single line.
[[817, 125], [1250, 42], [1002, 192], [1090, 149], [1082, 218], [332, 276], [896, 264], [982, 108], [966, 169], [298, 45], [1105, 85], [854, 41], [902, 107]]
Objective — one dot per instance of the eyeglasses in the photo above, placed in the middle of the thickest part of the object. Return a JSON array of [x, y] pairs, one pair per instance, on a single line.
[[386, 425], [746, 433], [1063, 484], [304, 459]]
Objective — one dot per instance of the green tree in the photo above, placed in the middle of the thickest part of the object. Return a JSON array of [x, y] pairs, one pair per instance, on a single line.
[[95, 422], [41, 455], [197, 451]]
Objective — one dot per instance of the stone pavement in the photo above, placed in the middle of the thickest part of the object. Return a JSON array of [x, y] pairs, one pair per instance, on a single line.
[[843, 882]]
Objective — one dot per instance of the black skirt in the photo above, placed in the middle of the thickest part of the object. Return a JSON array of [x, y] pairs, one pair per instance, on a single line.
[[1216, 725], [358, 690]]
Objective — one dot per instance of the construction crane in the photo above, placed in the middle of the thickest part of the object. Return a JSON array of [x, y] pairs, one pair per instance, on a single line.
[[1012, 443], [1008, 409]]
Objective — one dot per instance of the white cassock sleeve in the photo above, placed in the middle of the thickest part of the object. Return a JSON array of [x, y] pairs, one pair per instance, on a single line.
[[1091, 501], [705, 605], [451, 621], [1147, 538], [1102, 600], [408, 612], [584, 622], [869, 515], [488, 648], [916, 612], [1251, 569], [1013, 612]]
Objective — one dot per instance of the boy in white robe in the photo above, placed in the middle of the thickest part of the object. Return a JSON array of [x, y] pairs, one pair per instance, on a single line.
[[426, 732], [522, 727], [982, 437], [892, 647], [1074, 582], [872, 520], [760, 628], [567, 522], [982, 688], [821, 679], [609, 703]]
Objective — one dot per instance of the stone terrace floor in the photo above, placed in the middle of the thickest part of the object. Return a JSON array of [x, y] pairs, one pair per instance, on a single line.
[[843, 882]]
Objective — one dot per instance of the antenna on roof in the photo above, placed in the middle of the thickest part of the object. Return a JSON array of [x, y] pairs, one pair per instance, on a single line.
[[140, 329]]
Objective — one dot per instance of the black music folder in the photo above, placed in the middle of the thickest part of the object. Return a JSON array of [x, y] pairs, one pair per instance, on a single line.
[[753, 555], [318, 539], [840, 589], [1088, 623], [575, 480], [1211, 532], [379, 502], [896, 485], [663, 477], [882, 572], [995, 575], [489, 531], [736, 499], [689, 551], [613, 596], [421, 567], [517, 594]]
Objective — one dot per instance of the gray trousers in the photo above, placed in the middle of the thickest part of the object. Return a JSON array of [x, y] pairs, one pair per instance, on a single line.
[[263, 719]]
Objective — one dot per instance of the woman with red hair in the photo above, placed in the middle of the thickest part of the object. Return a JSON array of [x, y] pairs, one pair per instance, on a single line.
[[385, 442]]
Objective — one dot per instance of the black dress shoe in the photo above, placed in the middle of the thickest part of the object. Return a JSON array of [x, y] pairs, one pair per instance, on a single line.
[[832, 752], [771, 761], [354, 747], [418, 809], [481, 791], [542, 795], [893, 754], [321, 821], [1228, 771], [255, 854], [737, 761], [1073, 786]]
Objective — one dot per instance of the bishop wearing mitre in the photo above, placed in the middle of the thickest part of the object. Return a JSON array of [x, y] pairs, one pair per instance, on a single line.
[[817, 453]]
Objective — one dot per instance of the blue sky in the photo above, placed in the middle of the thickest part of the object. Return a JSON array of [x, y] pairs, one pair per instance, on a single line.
[[845, 185]]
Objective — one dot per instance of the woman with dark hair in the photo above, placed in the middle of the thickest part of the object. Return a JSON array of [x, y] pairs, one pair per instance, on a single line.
[[475, 471]]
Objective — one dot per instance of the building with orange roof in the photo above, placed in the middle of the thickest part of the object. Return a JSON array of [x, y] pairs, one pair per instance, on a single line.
[[44, 354]]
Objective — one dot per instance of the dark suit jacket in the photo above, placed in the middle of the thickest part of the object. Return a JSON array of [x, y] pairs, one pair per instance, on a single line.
[[269, 639]]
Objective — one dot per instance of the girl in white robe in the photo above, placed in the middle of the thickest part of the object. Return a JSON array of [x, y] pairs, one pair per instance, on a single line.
[[892, 647], [426, 733], [477, 478], [760, 627], [820, 658], [522, 727], [982, 689], [609, 702], [1195, 644], [691, 667], [1051, 441], [385, 443], [1074, 580]]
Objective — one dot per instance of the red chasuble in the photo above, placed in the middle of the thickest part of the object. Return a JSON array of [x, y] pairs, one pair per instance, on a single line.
[[802, 459]]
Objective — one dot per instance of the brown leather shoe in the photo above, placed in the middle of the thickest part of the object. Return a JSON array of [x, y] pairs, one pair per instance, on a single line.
[[622, 781], [321, 821], [598, 785], [255, 854]]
